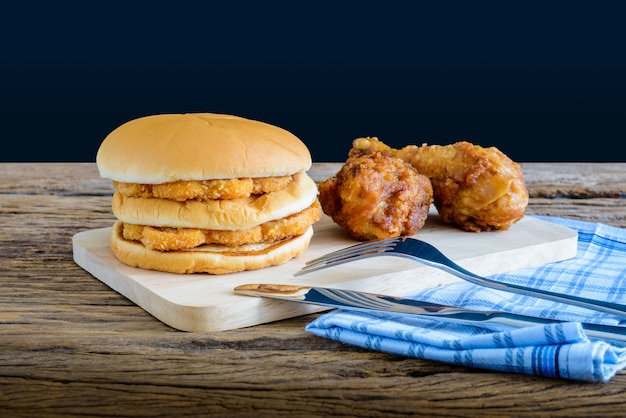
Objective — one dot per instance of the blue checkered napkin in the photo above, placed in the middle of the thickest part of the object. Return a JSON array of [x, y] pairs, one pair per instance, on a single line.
[[560, 350]]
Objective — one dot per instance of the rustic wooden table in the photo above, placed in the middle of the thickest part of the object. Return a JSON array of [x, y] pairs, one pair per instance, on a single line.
[[70, 346]]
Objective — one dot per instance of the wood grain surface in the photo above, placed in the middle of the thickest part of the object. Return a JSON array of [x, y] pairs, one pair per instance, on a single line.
[[70, 346]]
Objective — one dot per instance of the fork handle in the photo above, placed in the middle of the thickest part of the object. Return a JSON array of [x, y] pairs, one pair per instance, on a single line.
[[593, 304]]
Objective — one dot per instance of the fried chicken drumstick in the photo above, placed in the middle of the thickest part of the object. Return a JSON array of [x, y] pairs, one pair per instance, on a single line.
[[375, 196], [476, 188]]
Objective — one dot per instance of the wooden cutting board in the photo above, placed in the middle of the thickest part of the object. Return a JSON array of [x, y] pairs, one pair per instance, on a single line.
[[202, 303]]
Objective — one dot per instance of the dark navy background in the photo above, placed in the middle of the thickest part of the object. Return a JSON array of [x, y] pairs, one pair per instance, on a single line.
[[543, 81]]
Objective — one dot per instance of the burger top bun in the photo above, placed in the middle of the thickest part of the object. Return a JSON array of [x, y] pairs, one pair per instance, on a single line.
[[199, 146]]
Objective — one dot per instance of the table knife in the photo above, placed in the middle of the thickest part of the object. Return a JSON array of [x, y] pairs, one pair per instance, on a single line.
[[363, 301]]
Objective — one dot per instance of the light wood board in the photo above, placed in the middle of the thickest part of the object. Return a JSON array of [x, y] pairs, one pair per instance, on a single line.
[[203, 303]]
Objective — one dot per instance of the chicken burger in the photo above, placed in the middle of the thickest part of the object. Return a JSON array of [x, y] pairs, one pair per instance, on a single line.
[[208, 193]]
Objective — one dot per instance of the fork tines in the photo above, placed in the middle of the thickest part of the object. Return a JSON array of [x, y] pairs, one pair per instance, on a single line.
[[361, 250]]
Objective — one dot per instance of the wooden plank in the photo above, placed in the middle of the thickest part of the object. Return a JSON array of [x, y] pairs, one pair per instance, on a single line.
[[202, 302]]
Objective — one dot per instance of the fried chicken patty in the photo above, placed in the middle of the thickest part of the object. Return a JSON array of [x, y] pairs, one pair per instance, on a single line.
[[204, 189], [376, 196], [170, 239]]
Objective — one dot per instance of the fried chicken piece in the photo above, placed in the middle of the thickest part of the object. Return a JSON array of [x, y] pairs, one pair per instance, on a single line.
[[476, 188], [375, 197], [204, 189], [168, 239]]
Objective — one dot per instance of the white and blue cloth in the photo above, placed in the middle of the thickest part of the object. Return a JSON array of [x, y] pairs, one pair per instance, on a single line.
[[559, 350]]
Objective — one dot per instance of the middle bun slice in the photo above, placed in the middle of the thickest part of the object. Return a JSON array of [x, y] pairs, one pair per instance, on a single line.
[[220, 214]]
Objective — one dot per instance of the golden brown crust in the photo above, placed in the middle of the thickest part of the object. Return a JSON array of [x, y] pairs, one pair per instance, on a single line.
[[204, 189], [169, 239], [231, 214], [369, 145], [211, 260], [476, 188], [375, 197]]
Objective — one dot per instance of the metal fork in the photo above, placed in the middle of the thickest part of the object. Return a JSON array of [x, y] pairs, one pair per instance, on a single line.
[[425, 253]]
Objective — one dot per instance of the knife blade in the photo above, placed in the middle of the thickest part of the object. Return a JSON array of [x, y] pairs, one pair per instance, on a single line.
[[364, 301]]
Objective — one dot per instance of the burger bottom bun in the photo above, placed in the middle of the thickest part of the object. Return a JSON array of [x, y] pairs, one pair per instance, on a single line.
[[211, 259]]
